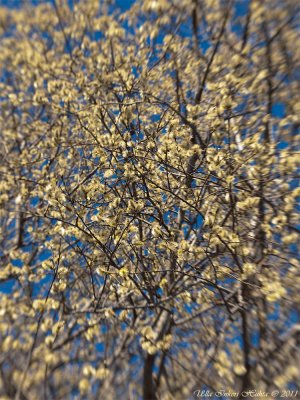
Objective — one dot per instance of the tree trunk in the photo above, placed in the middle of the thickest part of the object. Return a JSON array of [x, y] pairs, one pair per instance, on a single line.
[[148, 384]]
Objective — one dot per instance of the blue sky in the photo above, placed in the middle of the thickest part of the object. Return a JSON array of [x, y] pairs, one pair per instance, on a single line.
[[123, 4]]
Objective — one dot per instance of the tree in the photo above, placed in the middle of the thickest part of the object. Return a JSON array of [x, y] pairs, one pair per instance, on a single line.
[[148, 199]]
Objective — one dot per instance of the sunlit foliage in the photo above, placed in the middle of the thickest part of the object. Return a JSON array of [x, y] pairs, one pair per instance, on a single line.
[[148, 198]]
